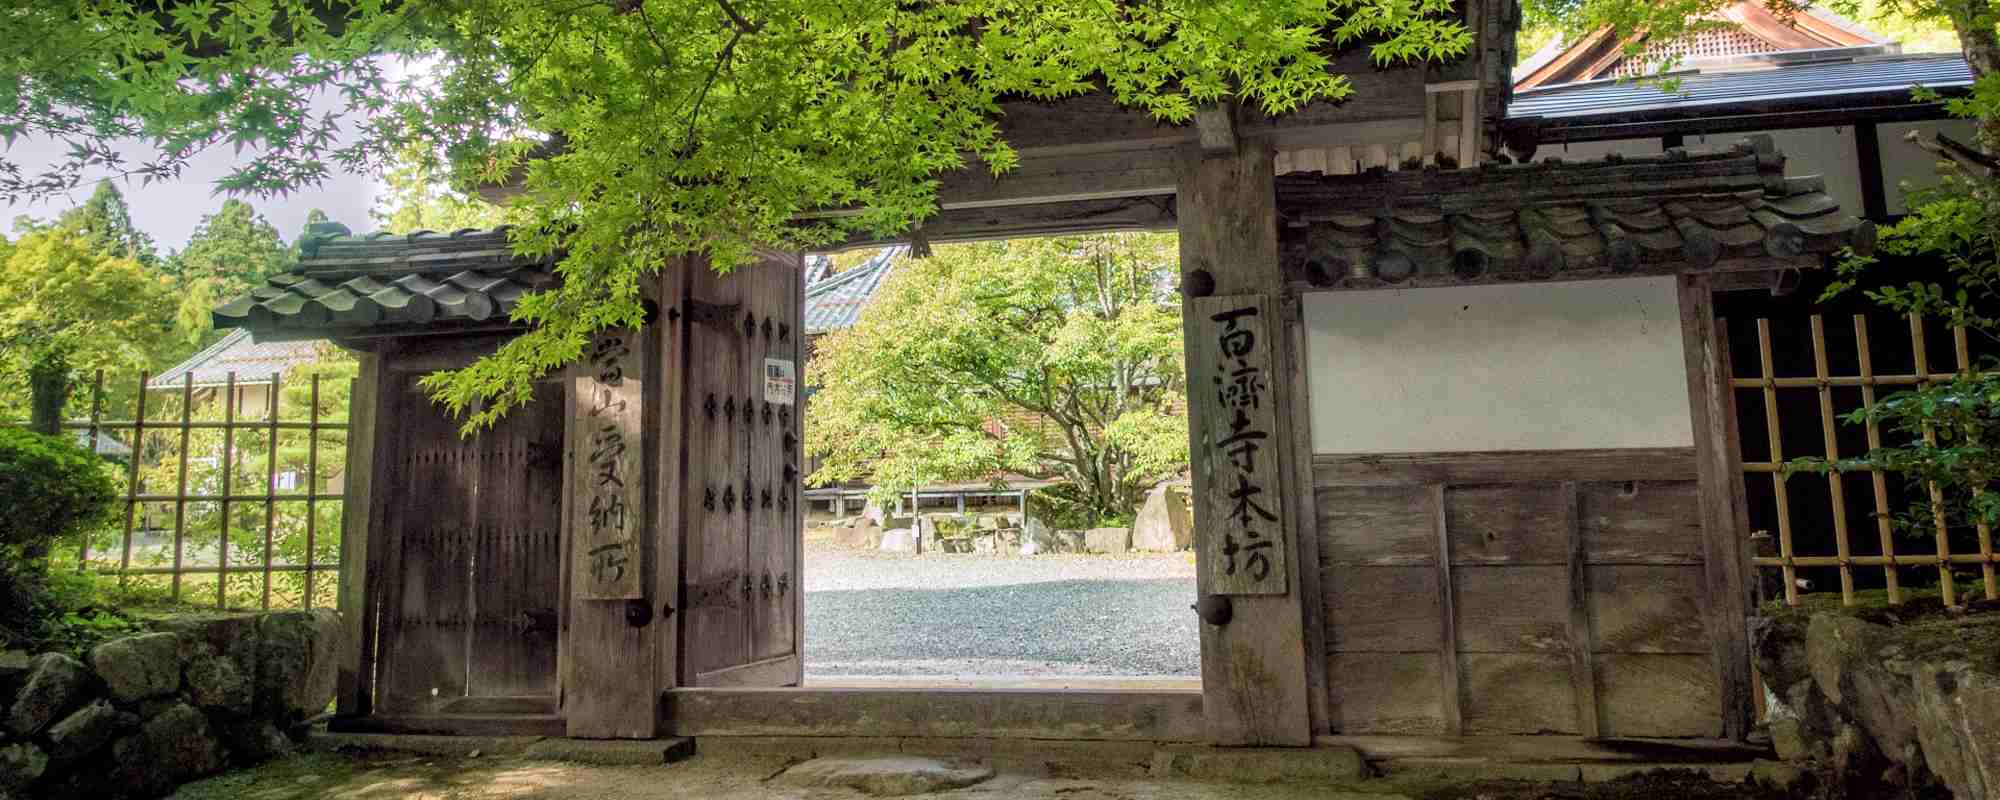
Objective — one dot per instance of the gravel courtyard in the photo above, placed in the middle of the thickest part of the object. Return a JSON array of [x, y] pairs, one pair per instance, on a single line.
[[872, 614]]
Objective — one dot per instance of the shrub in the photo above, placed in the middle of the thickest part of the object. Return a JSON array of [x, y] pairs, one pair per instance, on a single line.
[[52, 489]]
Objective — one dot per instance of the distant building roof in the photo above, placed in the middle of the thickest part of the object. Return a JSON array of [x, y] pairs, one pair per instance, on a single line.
[[1753, 29], [251, 360], [347, 284], [1798, 76], [835, 301]]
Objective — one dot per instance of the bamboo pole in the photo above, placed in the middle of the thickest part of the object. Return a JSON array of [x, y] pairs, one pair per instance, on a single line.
[[132, 474], [1873, 561], [228, 489], [1992, 586], [1946, 590], [1772, 436], [312, 486], [1833, 482], [181, 482], [270, 487], [1884, 529], [96, 413]]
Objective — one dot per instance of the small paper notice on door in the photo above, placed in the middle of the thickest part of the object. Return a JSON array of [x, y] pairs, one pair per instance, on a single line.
[[780, 381]]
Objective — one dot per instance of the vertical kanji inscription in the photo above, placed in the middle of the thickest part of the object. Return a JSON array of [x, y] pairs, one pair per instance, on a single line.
[[1231, 389], [607, 479]]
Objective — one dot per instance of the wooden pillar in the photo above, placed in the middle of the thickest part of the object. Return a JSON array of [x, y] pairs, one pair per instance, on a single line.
[[1725, 523], [364, 498], [621, 650], [1254, 667]]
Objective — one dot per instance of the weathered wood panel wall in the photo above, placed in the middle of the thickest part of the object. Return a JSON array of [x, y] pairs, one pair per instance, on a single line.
[[1516, 593]]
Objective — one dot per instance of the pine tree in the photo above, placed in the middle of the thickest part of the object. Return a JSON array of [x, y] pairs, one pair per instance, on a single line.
[[105, 221]]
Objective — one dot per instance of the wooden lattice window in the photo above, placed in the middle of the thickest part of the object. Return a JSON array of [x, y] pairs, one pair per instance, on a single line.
[[1760, 387]]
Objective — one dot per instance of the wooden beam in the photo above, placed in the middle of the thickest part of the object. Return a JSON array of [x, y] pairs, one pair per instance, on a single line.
[[1724, 517], [1104, 715], [1503, 466], [1818, 113], [1254, 675], [1868, 155], [666, 407], [1049, 219]]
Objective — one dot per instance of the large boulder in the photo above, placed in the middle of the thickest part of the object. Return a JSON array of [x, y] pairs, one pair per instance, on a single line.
[[21, 764], [1958, 723], [1166, 521], [898, 540], [56, 684], [1851, 667], [14, 667], [1043, 541], [297, 663], [865, 536], [215, 684], [170, 749], [139, 668], [90, 728], [1109, 541]]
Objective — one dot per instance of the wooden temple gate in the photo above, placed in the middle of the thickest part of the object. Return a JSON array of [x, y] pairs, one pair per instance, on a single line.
[[1584, 578]]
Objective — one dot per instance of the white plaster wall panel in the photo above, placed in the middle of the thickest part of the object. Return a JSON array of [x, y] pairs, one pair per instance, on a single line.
[[1905, 164], [1547, 366]]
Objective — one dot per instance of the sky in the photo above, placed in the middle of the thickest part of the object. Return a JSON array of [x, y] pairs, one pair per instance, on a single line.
[[169, 211]]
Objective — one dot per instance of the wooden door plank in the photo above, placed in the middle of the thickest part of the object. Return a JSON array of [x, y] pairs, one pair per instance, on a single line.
[[1583, 678], [714, 627], [1254, 675], [1725, 522], [1448, 678], [668, 409]]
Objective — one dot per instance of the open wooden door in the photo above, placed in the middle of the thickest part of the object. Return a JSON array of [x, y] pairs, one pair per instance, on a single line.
[[741, 526]]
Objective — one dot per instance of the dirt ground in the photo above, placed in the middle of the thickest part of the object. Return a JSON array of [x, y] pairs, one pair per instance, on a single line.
[[393, 776]]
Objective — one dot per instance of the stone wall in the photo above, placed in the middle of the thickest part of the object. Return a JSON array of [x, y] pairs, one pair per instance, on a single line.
[[150, 712], [1901, 701]]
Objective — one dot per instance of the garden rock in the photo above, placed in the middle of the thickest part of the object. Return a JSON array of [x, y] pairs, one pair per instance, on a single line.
[[173, 748], [21, 764], [899, 540], [139, 668], [253, 741], [1045, 541], [55, 685], [865, 536], [213, 682], [893, 776], [1166, 521], [296, 663], [1109, 541], [1850, 671], [83, 732], [14, 666], [1958, 724]]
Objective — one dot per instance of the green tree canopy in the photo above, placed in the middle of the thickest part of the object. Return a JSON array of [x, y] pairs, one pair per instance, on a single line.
[[105, 220], [63, 299], [419, 199], [231, 250], [685, 125], [1052, 358]]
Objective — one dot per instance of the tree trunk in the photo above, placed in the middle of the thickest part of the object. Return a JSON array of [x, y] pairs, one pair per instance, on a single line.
[[48, 387], [1976, 33]]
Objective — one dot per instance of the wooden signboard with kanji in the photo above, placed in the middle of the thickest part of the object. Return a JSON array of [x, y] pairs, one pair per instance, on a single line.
[[609, 511], [1240, 516]]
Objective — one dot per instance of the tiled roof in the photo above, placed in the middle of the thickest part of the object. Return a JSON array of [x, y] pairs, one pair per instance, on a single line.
[[836, 301], [353, 283], [251, 360], [1612, 98], [1673, 213]]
